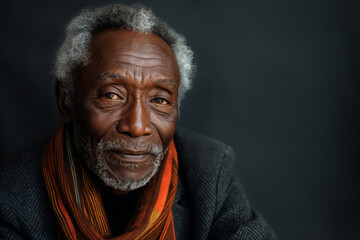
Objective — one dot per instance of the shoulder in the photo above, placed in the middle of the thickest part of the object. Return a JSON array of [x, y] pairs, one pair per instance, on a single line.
[[24, 203], [186, 136], [203, 164], [203, 161], [207, 151], [201, 154], [212, 192], [22, 173]]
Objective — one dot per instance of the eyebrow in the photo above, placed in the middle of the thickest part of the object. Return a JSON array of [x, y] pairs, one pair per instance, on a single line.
[[167, 82], [104, 76]]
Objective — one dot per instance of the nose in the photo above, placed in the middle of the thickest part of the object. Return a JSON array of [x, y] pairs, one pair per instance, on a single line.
[[136, 120]]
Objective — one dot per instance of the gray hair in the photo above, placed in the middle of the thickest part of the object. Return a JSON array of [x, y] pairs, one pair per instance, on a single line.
[[74, 51]]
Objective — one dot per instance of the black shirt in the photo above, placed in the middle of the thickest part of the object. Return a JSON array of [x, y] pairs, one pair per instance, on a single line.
[[119, 209]]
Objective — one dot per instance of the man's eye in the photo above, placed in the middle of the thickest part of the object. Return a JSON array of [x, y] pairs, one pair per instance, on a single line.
[[111, 96], [161, 101]]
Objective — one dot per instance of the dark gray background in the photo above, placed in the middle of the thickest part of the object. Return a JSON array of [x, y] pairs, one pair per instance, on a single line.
[[277, 80]]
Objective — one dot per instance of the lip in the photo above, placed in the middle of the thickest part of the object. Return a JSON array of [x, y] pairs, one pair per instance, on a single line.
[[130, 156]]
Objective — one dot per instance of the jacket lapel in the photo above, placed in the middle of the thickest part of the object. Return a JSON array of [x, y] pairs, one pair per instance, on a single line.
[[181, 214]]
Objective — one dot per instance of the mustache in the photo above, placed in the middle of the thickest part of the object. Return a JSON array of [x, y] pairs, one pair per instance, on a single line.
[[129, 145]]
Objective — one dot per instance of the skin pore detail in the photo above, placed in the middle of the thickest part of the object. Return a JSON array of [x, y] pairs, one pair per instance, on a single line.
[[126, 108]]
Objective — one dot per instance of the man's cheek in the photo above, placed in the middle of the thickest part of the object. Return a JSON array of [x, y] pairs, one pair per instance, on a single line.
[[97, 125], [166, 122]]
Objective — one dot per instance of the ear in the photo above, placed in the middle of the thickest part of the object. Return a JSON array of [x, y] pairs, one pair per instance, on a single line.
[[64, 111]]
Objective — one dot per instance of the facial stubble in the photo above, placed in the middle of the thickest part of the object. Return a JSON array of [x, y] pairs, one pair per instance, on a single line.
[[97, 159]]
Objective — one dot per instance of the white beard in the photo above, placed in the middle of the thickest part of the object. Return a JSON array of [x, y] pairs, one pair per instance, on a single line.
[[96, 160]]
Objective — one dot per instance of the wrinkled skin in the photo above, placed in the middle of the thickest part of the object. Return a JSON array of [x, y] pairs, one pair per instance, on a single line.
[[128, 92]]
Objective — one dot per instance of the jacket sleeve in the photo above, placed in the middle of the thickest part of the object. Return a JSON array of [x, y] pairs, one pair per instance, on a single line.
[[8, 225], [234, 218], [25, 211]]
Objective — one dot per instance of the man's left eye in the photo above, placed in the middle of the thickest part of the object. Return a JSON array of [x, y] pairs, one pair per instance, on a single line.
[[111, 96], [161, 101]]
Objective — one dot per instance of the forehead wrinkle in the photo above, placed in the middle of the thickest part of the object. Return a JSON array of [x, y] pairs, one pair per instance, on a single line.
[[140, 77], [151, 61], [148, 57], [140, 66]]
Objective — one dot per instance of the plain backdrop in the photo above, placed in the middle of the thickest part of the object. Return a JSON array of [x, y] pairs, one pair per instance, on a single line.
[[277, 80]]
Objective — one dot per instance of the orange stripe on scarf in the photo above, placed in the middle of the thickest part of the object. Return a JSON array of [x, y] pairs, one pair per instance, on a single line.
[[152, 220]]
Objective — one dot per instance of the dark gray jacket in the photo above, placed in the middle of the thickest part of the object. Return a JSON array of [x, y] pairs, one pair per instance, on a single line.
[[209, 204]]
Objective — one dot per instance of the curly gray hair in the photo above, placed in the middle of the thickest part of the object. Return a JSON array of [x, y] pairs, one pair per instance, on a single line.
[[74, 50]]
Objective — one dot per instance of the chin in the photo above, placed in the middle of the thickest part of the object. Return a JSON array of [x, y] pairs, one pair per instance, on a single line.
[[122, 175], [109, 160], [126, 178]]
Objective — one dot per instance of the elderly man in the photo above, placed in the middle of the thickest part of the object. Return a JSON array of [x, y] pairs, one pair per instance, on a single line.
[[115, 167]]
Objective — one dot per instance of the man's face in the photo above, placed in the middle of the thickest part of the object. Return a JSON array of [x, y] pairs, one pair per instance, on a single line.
[[126, 107]]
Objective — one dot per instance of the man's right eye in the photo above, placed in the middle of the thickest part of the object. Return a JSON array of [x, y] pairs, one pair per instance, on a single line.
[[111, 96]]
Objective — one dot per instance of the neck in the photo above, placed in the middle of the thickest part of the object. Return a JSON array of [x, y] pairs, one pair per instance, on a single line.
[[119, 192]]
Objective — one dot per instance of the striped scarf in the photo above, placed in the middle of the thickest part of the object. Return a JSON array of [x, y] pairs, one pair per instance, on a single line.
[[77, 203]]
